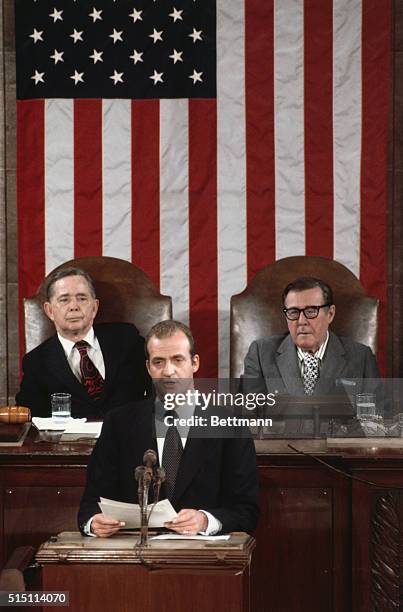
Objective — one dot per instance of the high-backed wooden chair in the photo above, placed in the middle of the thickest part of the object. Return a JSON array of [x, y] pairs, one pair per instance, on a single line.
[[125, 293], [12, 574], [257, 312]]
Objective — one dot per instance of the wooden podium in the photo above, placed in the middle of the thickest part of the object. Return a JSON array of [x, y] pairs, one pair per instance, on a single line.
[[167, 576]]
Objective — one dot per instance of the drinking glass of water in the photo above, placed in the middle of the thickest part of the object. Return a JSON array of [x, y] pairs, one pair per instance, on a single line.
[[366, 405], [61, 407]]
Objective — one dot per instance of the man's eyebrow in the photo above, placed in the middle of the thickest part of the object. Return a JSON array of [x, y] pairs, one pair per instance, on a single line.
[[81, 294], [170, 356]]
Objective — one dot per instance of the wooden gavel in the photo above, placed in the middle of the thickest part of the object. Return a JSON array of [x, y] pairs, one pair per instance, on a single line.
[[14, 414]]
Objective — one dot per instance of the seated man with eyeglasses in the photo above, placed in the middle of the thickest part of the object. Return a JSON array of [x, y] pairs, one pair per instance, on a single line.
[[310, 359]]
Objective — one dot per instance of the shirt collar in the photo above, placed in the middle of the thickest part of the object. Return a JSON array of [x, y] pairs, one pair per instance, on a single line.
[[185, 411], [319, 353], [68, 345]]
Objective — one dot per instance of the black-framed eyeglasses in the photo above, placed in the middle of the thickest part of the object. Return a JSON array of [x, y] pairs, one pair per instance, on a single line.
[[310, 312]]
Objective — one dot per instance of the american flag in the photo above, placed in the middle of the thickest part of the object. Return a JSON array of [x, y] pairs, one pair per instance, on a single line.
[[202, 140]]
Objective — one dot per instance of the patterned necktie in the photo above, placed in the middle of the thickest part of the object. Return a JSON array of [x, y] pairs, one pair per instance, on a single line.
[[90, 376], [311, 373], [171, 456]]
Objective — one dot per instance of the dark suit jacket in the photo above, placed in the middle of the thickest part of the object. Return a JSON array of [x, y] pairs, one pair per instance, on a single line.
[[46, 371], [215, 474], [348, 368]]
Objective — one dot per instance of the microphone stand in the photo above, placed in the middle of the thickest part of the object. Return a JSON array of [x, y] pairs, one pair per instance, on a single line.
[[143, 501], [148, 475], [146, 481]]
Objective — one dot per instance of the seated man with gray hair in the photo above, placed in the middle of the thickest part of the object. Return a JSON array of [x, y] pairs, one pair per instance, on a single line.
[[101, 366], [310, 359]]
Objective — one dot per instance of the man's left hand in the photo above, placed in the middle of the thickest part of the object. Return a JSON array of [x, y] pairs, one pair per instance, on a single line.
[[188, 522]]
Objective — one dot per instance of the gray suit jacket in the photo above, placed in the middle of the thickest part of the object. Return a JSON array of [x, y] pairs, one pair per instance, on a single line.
[[276, 359], [271, 365]]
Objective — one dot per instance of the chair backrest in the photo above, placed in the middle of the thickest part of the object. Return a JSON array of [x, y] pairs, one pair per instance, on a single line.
[[125, 292], [257, 311], [11, 575]]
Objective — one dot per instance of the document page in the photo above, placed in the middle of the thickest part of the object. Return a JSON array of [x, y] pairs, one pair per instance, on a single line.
[[130, 513], [177, 536]]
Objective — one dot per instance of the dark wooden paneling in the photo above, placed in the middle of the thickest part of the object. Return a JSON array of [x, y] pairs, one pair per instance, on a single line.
[[398, 39], [34, 513], [395, 327], [126, 588], [301, 558], [374, 521], [315, 537]]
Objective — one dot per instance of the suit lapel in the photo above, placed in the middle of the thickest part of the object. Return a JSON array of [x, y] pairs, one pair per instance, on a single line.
[[144, 426], [287, 363], [193, 456], [110, 353], [333, 365]]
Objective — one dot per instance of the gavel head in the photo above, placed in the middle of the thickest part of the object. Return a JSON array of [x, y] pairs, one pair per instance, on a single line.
[[14, 414]]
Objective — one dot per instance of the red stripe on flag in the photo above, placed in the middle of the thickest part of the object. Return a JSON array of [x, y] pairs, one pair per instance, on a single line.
[[87, 177], [376, 36], [30, 199], [203, 299], [318, 106], [259, 104], [146, 187]]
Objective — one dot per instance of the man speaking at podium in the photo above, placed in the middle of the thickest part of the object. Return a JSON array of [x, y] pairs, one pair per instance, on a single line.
[[211, 481]]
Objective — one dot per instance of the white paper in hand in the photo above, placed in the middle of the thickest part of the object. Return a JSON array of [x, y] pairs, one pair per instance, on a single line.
[[130, 513]]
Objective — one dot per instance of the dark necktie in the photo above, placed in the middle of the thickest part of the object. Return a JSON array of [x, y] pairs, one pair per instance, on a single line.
[[90, 376], [171, 456]]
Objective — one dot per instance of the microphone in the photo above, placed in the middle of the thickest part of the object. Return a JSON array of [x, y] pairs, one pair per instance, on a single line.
[[139, 472], [146, 475], [160, 475], [150, 458]]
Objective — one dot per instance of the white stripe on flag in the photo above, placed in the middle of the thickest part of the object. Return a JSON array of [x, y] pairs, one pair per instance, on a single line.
[[347, 131], [117, 176], [231, 162], [174, 205], [289, 127], [59, 182]]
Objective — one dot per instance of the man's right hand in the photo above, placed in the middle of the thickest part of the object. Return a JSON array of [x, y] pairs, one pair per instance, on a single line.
[[102, 526]]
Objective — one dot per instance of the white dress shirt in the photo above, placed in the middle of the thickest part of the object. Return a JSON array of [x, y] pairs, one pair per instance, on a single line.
[[320, 353], [93, 351]]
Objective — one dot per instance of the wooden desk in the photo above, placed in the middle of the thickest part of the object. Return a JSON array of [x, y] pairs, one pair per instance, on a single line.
[[166, 576], [41, 484], [315, 540]]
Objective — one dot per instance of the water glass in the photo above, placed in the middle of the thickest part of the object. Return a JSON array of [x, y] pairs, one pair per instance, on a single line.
[[366, 405], [61, 407]]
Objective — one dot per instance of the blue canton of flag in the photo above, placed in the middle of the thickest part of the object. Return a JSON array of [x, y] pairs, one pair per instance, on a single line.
[[115, 49]]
